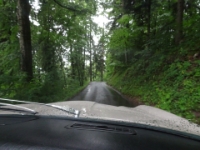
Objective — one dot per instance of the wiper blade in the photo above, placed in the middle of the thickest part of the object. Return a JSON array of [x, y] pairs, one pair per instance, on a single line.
[[16, 108], [66, 108]]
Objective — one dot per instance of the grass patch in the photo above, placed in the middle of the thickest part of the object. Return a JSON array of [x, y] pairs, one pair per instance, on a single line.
[[76, 91], [176, 89]]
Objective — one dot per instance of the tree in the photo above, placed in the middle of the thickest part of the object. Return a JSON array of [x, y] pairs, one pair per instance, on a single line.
[[179, 21], [53, 48], [90, 50], [25, 38]]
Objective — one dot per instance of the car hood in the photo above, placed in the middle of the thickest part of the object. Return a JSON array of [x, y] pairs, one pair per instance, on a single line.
[[142, 114]]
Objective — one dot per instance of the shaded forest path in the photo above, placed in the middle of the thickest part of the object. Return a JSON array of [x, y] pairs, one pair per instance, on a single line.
[[101, 93]]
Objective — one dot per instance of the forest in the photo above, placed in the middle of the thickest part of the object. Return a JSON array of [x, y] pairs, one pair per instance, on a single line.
[[149, 50], [154, 53], [48, 52]]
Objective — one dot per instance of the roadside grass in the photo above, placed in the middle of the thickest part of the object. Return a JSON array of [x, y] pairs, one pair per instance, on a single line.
[[47, 93], [75, 91], [176, 89]]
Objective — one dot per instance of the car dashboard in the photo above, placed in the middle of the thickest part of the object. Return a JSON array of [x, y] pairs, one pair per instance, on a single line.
[[54, 132]]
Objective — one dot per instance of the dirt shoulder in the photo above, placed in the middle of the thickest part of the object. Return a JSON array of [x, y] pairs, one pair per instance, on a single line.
[[134, 101]]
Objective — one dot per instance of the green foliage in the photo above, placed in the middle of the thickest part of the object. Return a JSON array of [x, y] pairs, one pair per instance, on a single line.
[[145, 60], [59, 46], [175, 89]]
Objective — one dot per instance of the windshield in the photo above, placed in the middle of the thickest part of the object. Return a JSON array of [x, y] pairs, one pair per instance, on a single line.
[[91, 57]]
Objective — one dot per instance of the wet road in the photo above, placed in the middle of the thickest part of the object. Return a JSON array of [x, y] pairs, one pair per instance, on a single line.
[[101, 93]]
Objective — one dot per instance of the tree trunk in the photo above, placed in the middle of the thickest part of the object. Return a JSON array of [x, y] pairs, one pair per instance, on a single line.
[[84, 58], [25, 38], [90, 72], [80, 69], [149, 19], [73, 74], [102, 65], [179, 21], [83, 64]]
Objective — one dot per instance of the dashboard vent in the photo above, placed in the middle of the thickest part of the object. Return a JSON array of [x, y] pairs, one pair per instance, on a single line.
[[116, 129]]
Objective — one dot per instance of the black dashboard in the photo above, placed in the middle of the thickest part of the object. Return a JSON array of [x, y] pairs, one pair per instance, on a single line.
[[45, 132]]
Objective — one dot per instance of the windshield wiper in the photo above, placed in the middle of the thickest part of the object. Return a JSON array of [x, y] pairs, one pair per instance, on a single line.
[[66, 108], [16, 108]]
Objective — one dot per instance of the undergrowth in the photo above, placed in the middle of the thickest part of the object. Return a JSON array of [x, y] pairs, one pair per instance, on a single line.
[[175, 87]]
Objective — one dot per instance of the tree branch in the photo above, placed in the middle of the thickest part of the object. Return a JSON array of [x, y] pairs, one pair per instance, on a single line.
[[196, 7], [66, 7], [114, 22], [193, 5], [71, 8]]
